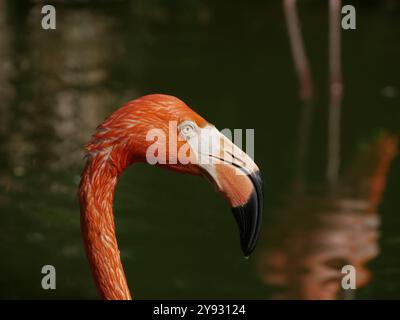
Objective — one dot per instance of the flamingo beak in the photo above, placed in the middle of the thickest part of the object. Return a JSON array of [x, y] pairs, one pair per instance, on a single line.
[[249, 215], [238, 179]]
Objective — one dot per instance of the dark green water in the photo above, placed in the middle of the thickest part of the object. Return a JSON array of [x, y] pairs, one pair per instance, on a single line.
[[232, 64]]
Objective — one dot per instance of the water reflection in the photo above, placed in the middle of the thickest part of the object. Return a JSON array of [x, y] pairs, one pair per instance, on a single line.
[[307, 250], [313, 237], [306, 87], [75, 66], [317, 232], [61, 83], [54, 91], [7, 73]]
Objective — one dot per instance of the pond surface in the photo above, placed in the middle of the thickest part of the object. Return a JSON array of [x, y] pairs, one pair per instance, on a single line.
[[231, 63]]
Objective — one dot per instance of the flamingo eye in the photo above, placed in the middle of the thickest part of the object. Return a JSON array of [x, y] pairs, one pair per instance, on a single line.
[[187, 129]]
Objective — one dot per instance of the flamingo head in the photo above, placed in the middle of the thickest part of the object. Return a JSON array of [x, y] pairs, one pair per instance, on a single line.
[[162, 130]]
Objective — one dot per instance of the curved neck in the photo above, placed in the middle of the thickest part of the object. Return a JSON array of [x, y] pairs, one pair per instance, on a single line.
[[96, 195]]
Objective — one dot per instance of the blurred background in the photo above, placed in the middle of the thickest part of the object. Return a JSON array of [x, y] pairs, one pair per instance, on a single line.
[[324, 103]]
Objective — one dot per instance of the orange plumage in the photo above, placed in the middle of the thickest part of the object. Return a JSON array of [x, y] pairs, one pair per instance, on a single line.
[[120, 141]]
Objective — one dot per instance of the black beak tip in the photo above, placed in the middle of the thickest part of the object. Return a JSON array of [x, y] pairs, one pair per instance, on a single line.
[[249, 216], [247, 252]]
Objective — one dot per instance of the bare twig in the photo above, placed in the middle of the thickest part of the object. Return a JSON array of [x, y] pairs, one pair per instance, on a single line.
[[336, 91], [298, 53], [306, 88]]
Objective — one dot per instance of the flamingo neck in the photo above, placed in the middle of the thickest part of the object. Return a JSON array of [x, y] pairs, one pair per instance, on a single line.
[[96, 195]]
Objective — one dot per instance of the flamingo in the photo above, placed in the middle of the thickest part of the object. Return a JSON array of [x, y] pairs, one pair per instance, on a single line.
[[120, 141]]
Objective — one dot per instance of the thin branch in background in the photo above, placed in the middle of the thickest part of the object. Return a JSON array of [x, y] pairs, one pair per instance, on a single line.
[[336, 91], [306, 87], [298, 52]]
